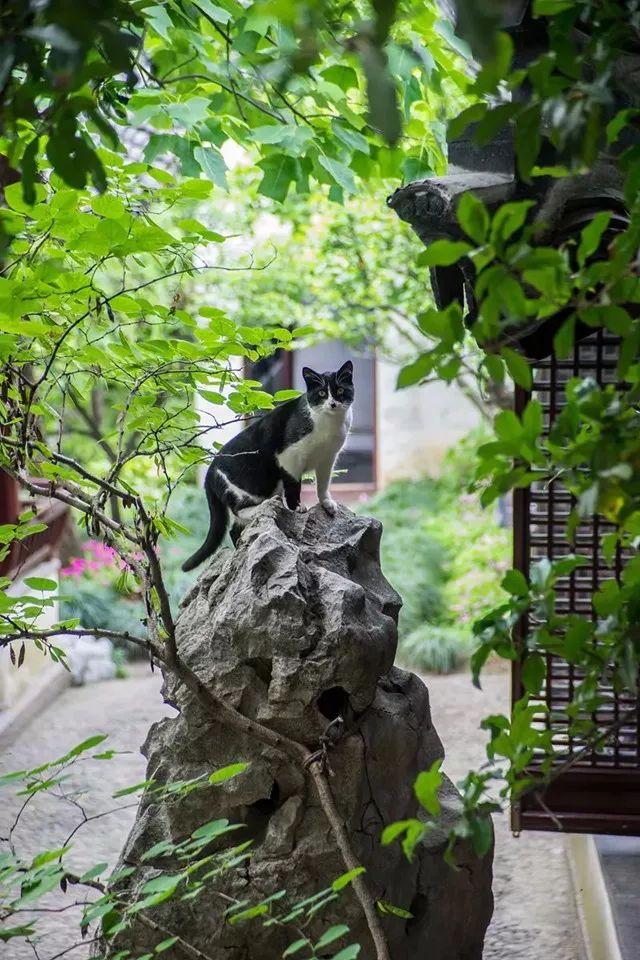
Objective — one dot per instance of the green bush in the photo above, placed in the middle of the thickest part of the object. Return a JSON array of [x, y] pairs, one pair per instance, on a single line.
[[412, 559], [433, 648], [445, 555]]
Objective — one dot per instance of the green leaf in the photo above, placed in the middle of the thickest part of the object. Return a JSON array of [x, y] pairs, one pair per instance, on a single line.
[[473, 217], [393, 831], [495, 69], [86, 745], [343, 77], [385, 907], [212, 164], [415, 372], [534, 670], [333, 933], [40, 583], [518, 367], [566, 565], [591, 236], [426, 788], [212, 829], [349, 953], [164, 884], [528, 139], [381, 90], [532, 419], [481, 835], [345, 879], [550, 8], [509, 218], [249, 914], [226, 773], [350, 137], [134, 788], [29, 166], [278, 172], [166, 944], [282, 395], [342, 175], [507, 425], [296, 946], [94, 872], [219, 14], [515, 583], [564, 338], [22, 930], [442, 253], [619, 122]]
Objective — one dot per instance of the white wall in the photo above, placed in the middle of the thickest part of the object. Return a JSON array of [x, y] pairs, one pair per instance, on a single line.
[[417, 425]]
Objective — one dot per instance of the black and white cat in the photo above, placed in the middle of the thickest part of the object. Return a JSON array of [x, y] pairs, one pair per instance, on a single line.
[[273, 453]]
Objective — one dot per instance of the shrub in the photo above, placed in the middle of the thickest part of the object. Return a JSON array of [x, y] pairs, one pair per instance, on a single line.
[[445, 555], [433, 648], [413, 560]]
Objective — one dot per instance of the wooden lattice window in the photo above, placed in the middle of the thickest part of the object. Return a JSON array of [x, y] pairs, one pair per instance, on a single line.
[[600, 793]]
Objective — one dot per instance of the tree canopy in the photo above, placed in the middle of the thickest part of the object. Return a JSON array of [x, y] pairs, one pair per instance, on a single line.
[[119, 126]]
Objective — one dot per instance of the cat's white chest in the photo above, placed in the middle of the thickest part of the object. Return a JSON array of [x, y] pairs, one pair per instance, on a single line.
[[318, 447]]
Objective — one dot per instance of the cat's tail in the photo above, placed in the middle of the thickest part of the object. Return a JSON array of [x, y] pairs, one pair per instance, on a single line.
[[217, 528]]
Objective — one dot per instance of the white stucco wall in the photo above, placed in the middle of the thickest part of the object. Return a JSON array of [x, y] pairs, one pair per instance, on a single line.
[[416, 426]]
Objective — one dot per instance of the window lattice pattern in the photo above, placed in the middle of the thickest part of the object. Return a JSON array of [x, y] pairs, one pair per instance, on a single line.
[[540, 532]]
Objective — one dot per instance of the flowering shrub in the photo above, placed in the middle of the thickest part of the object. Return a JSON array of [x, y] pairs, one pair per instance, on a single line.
[[100, 556], [100, 563], [99, 590]]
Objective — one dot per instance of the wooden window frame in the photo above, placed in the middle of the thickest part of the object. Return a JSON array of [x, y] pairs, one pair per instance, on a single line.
[[601, 793]]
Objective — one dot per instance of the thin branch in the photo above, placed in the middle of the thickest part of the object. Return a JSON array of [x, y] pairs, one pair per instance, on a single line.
[[78, 632], [163, 631]]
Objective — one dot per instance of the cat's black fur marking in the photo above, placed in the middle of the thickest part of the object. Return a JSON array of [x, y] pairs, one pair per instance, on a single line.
[[274, 451]]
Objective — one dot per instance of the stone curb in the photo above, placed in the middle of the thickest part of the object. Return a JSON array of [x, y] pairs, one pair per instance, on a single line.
[[41, 693], [597, 925]]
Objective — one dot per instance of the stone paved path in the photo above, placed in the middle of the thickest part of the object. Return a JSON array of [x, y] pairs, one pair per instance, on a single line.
[[534, 916]]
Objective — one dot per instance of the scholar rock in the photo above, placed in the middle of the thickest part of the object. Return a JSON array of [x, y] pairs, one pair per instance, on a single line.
[[297, 626]]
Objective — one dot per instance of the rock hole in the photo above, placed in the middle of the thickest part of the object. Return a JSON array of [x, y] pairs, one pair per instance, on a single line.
[[262, 667], [256, 819], [333, 703], [418, 910]]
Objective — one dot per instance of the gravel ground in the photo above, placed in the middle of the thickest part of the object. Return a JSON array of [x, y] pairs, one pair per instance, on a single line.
[[534, 916]]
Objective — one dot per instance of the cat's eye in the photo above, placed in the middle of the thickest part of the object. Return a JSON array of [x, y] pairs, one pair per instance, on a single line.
[[322, 393], [340, 392]]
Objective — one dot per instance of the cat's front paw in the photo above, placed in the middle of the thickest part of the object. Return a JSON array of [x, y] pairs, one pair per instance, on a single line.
[[301, 508], [330, 506]]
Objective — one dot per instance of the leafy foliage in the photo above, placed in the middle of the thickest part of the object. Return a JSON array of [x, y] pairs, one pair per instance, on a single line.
[[182, 870], [565, 111], [321, 93], [459, 554]]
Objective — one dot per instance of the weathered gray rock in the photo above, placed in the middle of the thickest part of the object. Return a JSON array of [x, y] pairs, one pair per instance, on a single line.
[[295, 626]]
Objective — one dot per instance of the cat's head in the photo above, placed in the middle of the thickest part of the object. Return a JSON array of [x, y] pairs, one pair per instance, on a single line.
[[332, 392]]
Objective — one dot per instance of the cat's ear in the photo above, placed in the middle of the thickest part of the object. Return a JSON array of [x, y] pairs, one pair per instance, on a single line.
[[311, 378], [345, 373]]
